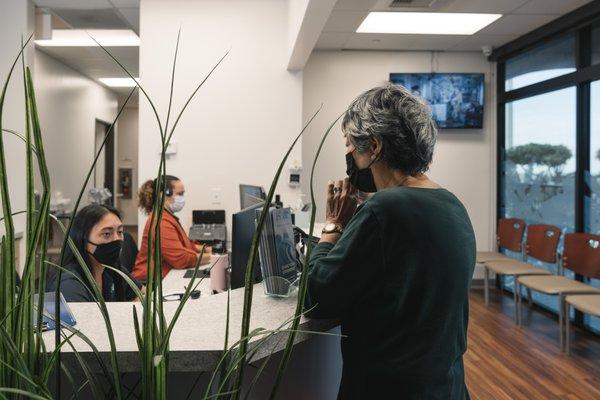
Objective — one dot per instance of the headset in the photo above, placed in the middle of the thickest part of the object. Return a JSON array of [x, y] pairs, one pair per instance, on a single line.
[[168, 190]]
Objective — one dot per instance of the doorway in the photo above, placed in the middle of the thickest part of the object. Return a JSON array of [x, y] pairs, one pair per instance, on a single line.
[[104, 172]]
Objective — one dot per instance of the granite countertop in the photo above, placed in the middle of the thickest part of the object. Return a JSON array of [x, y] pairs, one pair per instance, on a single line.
[[198, 337]]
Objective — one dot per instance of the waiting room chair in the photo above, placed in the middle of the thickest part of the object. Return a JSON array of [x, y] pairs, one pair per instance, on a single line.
[[541, 244], [581, 255], [586, 303], [510, 237]]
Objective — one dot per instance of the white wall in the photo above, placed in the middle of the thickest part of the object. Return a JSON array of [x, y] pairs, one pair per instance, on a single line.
[[245, 116], [68, 105], [16, 20], [127, 157], [464, 160]]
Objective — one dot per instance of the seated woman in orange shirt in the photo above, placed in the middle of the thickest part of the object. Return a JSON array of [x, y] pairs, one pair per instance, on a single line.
[[178, 251]]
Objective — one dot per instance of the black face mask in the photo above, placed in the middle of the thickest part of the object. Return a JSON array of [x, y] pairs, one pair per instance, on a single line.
[[362, 179], [108, 253]]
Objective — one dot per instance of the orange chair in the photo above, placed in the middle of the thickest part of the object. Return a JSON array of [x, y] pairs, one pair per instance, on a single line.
[[541, 244], [581, 255], [588, 303], [510, 237]]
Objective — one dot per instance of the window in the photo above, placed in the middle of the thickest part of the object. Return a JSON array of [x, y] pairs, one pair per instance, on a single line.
[[539, 167], [594, 204], [549, 135], [540, 145], [544, 62]]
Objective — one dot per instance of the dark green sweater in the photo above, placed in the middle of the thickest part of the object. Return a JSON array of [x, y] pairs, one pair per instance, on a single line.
[[398, 279]]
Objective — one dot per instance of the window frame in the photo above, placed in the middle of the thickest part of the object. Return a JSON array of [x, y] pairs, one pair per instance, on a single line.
[[579, 23]]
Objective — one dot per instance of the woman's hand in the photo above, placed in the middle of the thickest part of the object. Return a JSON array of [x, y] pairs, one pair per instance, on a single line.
[[341, 202], [207, 248]]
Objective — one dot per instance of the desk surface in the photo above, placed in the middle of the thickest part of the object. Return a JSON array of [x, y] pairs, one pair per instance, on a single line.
[[198, 337]]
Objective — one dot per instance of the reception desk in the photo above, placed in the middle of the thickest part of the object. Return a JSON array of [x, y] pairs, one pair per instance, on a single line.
[[198, 338]]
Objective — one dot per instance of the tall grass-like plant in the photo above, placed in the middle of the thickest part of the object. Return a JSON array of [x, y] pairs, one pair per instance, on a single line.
[[153, 332], [21, 355], [26, 366], [287, 352]]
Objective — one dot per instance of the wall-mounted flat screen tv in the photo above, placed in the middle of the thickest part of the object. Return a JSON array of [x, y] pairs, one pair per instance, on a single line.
[[456, 100]]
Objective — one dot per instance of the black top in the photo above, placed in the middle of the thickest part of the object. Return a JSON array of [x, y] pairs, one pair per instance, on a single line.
[[75, 291], [398, 278]]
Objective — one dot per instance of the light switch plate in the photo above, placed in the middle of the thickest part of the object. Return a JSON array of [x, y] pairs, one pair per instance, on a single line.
[[215, 195]]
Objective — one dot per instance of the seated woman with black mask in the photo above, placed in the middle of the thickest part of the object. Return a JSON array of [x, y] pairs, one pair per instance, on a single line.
[[97, 233]]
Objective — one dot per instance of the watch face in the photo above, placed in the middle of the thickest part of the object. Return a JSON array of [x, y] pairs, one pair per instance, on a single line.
[[330, 227]]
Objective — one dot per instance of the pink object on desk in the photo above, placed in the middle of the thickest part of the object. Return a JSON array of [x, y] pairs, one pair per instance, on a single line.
[[218, 273]]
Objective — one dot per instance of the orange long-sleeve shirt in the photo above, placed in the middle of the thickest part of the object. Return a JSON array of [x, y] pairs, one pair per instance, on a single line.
[[177, 250]]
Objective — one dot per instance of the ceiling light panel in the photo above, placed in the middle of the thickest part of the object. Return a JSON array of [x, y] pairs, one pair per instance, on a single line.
[[83, 38], [119, 82], [429, 23]]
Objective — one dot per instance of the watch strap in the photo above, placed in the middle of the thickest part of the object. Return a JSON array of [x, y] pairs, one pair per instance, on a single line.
[[336, 229]]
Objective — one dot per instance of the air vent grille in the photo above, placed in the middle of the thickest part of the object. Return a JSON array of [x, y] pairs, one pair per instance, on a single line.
[[412, 3]]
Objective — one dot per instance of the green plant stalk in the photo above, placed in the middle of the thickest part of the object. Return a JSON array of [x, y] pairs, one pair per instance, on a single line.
[[159, 375], [153, 309], [20, 136], [252, 352], [4, 297], [154, 379], [86, 340], [248, 288], [28, 154], [8, 250], [304, 276], [158, 305], [14, 356], [64, 246], [41, 221], [22, 334]]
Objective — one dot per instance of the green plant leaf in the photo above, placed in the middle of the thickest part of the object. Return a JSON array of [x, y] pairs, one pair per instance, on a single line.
[[248, 287], [304, 276]]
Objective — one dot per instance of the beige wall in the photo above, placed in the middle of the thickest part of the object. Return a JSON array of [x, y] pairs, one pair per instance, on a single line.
[[243, 119], [464, 160], [69, 104], [127, 157], [16, 20]]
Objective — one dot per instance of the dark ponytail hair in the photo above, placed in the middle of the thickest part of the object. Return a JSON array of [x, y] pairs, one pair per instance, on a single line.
[[83, 223], [146, 195]]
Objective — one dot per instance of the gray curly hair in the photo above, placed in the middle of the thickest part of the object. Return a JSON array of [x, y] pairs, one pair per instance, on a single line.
[[400, 120]]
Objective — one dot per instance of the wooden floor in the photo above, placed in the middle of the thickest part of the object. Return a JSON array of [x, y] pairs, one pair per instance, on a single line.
[[507, 362]]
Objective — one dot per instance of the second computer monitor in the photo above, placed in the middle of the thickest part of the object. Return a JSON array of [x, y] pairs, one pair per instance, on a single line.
[[243, 228], [251, 195]]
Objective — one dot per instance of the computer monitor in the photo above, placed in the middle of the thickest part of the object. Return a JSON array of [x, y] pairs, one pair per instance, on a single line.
[[209, 217], [251, 195], [243, 228]]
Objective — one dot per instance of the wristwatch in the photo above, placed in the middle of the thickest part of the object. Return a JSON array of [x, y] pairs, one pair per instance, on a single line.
[[332, 228]]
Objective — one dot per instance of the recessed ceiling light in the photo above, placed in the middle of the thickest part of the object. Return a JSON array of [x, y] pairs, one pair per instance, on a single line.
[[430, 23], [119, 82], [83, 38]]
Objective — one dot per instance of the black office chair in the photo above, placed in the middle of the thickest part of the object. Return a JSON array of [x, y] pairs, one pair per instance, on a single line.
[[128, 252]]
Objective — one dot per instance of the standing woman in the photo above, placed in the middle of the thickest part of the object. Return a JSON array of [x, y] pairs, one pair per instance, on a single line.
[[97, 233], [396, 270], [178, 251]]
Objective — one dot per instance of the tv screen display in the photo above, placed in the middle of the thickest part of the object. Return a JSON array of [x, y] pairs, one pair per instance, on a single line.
[[456, 100]]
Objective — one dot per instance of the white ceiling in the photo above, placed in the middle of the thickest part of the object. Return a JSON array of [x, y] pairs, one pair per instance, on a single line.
[[339, 32], [93, 62], [90, 14], [519, 17]]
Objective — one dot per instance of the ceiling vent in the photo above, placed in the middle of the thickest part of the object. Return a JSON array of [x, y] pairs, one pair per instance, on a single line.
[[412, 3], [105, 18]]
